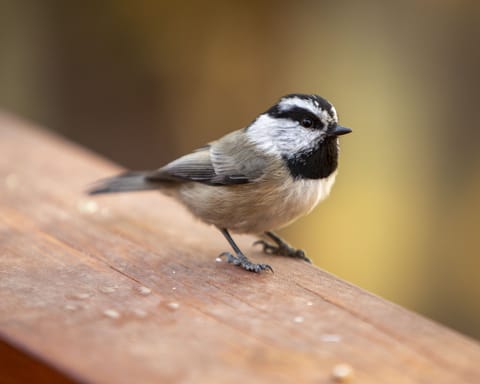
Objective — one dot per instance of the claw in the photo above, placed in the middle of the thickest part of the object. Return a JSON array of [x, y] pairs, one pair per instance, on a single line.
[[266, 266], [246, 264], [282, 250], [300, 254]]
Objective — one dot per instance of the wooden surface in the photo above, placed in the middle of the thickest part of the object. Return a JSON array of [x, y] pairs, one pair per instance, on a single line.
[[126, 289]]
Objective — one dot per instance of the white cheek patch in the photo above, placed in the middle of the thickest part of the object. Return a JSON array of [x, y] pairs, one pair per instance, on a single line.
[[281, 136]]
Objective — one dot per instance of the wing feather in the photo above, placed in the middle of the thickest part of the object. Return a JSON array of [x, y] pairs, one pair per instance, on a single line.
[[230, 160]]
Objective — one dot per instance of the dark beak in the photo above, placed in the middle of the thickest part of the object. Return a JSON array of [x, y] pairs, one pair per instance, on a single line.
[[339, 130]]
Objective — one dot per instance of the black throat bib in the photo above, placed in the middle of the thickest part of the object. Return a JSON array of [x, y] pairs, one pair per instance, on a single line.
[[316, 164]]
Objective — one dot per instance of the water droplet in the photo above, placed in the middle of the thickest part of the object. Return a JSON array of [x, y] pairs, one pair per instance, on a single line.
[[144, 290], [218, 260], [173, 305], [341, 373], [331, 338], [309, 303], [174, 272], [87, 206], [298, 319], [174, 288], [112, 313], [108, 289]]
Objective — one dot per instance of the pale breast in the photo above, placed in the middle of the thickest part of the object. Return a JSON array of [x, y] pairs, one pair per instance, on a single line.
[[255, 207]]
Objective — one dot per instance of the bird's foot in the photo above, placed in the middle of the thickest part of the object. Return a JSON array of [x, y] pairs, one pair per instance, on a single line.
[[242, 261], [282, 249]]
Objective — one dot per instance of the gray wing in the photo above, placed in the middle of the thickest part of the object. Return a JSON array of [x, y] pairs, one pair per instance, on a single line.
[[230, 160]]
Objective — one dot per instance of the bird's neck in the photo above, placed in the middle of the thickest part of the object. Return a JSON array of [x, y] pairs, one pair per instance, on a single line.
[[316, 164]]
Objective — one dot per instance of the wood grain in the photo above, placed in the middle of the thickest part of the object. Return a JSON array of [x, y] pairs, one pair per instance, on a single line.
[[126, 288]]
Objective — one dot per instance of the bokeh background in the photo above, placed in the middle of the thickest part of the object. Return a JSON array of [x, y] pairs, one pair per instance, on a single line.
[[142, 82]]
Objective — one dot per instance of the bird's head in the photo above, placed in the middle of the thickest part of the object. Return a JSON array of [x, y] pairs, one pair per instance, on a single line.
[[296, 124]]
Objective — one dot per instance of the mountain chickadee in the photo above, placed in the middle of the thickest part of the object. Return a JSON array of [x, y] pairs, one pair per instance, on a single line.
[[255, 179]]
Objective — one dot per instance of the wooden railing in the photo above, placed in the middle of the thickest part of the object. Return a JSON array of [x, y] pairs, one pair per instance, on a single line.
[[127, 289]]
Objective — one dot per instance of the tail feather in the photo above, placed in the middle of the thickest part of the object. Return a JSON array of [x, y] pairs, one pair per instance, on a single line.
[[125, 182]]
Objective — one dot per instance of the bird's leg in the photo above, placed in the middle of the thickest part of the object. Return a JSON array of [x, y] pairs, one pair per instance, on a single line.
[[239, 258], [281, 248]]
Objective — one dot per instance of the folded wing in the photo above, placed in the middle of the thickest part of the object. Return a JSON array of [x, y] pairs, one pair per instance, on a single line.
[[231, 160]]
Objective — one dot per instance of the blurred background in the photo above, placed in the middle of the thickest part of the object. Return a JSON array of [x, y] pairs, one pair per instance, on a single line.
[[142, 82]]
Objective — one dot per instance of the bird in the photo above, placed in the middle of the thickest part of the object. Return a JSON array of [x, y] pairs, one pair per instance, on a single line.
[[254, 180]]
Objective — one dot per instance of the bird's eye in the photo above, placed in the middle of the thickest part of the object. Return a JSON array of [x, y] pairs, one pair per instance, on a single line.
[[306, 122]]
